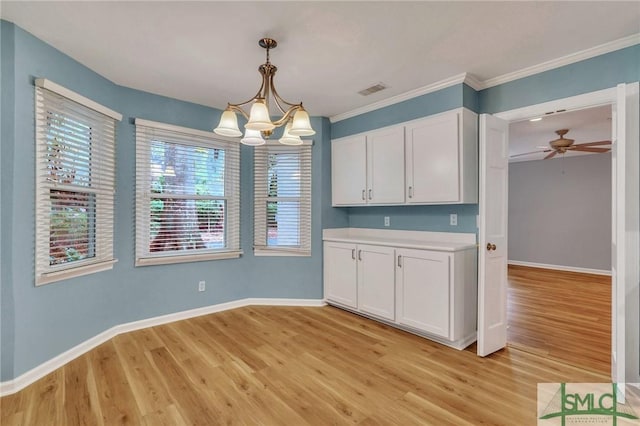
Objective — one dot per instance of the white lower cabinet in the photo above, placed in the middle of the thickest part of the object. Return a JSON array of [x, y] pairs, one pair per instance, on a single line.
[[375, 281], [422, 290], [360, 276], [340, 273], [432, 293]]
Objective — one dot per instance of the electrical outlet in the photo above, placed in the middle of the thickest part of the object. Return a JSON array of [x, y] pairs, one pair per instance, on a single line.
[[453, 219], [202, 286], [387, 221]]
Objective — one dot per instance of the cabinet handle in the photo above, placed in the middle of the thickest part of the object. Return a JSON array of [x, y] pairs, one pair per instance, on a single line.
[[370, 196], [399, 261], [359, 254], [411, 192], [363, 197], [353, 254]]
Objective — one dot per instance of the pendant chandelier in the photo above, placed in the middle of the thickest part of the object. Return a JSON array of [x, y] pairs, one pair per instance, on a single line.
[[259, 124]]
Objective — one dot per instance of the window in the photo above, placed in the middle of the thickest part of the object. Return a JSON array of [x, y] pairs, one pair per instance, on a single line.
[[187, 195], [282, 200], [75, 175]]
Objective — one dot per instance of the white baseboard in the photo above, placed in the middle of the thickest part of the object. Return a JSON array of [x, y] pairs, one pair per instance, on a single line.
[[11, 386], [560, 267]]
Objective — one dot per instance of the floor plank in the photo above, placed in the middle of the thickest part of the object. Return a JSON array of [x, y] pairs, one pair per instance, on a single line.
[[289, 365], [562, 315]]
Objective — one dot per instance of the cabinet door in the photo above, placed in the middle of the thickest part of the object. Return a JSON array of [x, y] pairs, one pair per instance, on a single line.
[[340, 273], [423, 282], [385, 167], [376, 281], [433, 164], [349, 171]]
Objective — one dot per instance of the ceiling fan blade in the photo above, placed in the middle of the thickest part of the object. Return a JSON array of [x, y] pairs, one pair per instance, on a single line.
[[550, 155], [594, 143], [587, 149], [528, 153]]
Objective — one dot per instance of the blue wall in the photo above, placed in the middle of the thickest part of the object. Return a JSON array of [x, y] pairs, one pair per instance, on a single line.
[[421, 106], [40, 323], [601, 72], [7, 333]]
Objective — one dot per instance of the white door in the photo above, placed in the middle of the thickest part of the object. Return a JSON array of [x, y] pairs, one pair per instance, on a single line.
[[625, 249], [376, 281], [433, 160], [340, 269], [385, 168], [492, 234], [349, 171], [422, 290]]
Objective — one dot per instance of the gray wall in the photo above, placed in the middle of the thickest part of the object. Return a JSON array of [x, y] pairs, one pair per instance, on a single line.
[[560, 211]]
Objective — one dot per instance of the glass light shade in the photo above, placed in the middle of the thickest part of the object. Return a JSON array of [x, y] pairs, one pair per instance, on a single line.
[[289, 139], [228, 125], [301, 125], [259, 117], [252, 137]]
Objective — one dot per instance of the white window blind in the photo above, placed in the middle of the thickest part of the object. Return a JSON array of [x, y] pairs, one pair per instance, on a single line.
[[187, 195], [282, 205], [75, 184]]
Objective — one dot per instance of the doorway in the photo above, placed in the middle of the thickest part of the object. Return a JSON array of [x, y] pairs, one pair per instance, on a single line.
[[492, 267], [559, 285]]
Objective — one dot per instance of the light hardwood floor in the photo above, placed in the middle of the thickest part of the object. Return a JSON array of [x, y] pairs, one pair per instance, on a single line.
[[563, 315], [287, 366]]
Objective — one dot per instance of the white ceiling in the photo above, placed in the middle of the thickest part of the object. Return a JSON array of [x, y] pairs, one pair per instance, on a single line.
[[207, 52], [587, 125]]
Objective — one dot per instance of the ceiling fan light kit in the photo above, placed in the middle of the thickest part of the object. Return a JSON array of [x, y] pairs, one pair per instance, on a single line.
[[259, 124]]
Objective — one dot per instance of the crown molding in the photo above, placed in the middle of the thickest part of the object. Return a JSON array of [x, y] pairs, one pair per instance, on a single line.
[[477, 84], [473, 82], [442, 84], [564, 60]]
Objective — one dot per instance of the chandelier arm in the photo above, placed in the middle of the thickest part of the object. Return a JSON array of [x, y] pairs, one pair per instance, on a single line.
[[237, 108], [259, 95], [279, 98], [287, 115]]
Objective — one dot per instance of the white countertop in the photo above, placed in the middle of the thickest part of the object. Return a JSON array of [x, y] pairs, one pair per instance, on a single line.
[[423, 240]]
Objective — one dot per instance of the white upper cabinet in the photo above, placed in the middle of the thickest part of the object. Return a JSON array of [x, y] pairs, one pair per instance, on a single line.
[[385, 166], [349, 171], [368, 168], [442, 159], [432, 160]]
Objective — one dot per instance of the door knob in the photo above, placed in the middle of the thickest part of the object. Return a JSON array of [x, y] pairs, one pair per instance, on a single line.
[[491, 246]]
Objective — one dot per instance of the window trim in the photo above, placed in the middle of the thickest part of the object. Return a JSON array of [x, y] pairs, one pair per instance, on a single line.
[[168, 258], [78, 268], [284, 251]]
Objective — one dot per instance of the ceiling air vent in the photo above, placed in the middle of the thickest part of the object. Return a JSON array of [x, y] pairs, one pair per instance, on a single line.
[[373, 89]]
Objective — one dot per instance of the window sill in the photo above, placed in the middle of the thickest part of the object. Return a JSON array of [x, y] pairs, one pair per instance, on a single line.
[[184, 258], [281, 252], [76, 271]]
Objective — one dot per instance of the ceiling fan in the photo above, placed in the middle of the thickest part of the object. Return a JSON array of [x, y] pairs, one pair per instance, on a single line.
[[562, 145]]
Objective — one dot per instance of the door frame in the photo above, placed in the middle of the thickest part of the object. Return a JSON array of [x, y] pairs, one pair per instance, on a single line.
[[587, 100]]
